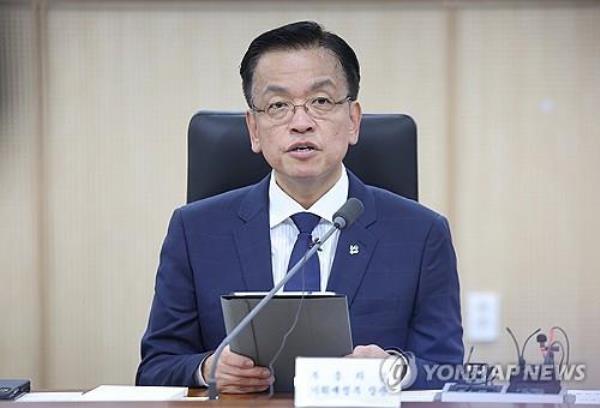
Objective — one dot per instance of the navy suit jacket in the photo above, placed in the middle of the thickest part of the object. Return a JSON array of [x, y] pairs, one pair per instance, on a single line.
[[402, 286]]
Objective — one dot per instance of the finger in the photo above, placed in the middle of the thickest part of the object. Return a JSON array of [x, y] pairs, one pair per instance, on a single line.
[[228, 379], [369, 351], [255, 372], [232, 380], [233, 359], [241, 390]]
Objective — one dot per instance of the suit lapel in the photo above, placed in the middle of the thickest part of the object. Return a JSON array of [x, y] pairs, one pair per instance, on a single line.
[[355, 245], [253, 238]]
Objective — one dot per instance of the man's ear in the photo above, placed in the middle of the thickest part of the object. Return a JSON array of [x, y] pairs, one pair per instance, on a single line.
[[355, 118], [253, 131]]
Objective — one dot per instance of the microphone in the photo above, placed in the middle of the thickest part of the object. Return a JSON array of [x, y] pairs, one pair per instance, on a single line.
[[548, 350], [521, 382], [527, 341], [514, 339], [542, 339], [342, 218], [521, 353], [348, 213]]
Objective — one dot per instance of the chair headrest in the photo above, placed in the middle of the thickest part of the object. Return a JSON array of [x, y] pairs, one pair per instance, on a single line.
[[220, 158]]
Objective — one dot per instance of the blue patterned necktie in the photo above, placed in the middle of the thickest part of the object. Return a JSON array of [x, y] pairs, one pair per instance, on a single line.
[[306, 223]]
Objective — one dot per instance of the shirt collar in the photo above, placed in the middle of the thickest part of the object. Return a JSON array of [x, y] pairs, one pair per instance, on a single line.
[[282, 206]]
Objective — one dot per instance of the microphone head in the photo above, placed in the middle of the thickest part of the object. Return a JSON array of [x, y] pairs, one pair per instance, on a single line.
[[348, 213], [541, 338]]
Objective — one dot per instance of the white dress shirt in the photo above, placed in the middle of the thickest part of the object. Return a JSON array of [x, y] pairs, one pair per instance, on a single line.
[[284, 232]]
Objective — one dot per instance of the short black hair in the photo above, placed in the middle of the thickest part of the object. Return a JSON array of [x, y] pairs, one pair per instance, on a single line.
[[300, 35]]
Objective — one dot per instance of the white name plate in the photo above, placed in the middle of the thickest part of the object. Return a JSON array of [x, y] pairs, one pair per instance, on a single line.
[[342, 382]]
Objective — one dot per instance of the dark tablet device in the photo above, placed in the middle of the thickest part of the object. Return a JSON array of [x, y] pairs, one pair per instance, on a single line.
[[11, 389], [322, 330]]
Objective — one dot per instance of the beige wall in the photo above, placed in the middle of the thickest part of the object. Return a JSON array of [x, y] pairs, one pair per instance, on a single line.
[[20, 263], [94, 103]]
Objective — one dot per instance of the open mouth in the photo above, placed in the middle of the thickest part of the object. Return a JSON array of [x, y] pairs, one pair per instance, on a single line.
[[302, 149]]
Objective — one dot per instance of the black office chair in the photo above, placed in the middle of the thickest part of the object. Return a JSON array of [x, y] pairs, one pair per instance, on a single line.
[[220, 158]]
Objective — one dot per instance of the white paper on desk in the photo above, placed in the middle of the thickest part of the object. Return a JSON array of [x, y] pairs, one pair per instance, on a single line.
[[502, 397], [591, 397], [131, 393], [49, 397], [420, 396]]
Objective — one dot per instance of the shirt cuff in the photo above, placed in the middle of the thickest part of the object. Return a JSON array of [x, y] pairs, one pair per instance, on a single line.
[[199, 377]]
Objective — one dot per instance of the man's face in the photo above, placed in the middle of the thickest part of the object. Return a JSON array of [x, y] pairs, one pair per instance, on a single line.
[[304, 151]]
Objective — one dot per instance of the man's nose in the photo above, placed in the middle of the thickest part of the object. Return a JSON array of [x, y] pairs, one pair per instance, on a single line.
[[301, 121]]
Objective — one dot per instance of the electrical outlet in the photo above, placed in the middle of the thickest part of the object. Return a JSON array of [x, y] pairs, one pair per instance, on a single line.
[[483, 317]]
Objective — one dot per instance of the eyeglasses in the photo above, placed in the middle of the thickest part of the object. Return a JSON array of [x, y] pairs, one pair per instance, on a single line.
[[317, 107]]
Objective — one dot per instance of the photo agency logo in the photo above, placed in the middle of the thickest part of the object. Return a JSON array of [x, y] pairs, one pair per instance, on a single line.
[[485, 373], [394, 371]]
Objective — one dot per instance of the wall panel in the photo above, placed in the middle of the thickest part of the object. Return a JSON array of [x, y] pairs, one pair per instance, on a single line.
[[526, 154], [20, 297]]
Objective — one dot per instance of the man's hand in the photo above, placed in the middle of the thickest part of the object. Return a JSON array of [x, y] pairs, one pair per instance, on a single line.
[[237, 374], [369, 351]]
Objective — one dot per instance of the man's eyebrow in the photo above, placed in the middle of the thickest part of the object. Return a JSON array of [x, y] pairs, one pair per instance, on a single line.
[[278, 89], [322, 84], [275, 89]]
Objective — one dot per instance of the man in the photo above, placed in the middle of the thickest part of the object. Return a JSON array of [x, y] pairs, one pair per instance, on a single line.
[[301, 84]]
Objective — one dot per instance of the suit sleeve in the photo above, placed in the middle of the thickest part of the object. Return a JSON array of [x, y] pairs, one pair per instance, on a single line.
[[435, 334], [172, 346]]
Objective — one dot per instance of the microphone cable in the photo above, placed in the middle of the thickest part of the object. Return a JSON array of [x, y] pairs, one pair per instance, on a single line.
[[527, 341], [287, 333], [516, 343], [562, 351], [292, 326], [564, 333]]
